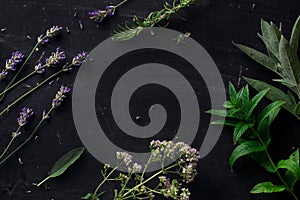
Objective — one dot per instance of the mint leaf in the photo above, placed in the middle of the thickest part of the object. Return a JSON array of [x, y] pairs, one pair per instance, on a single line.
[[239, 130], [267, 187], [245, 149]]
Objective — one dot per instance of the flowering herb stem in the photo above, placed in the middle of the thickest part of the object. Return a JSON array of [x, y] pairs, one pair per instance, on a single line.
[[28, 139], [21, 68], [34, 89], [10, 143], [95, 194], [121, 3], [8, 88], [277, 172], [149, 179]]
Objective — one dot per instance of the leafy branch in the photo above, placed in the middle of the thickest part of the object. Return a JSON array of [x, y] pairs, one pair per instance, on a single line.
[[282, 59], [131, 29], [252, 137]]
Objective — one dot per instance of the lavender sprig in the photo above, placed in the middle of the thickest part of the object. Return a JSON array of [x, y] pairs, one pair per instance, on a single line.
[[55, 58], [99, 15], [25, 114], [67, 67], [60, 96], [22, 120], [11, 63], [52, 32]]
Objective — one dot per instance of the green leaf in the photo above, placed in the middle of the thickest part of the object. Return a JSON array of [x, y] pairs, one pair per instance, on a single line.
[[289, 61], [270, 38], [64, 163], [297, 109], [274, 94], [262, 159], [255, 100], [222, 122], [232, 91], [239, 130], [87, 196], [290, 165], [259, 57], [267, 187], [294, 41], [221, 113], [290, 178], [245, 149], [267, 116]]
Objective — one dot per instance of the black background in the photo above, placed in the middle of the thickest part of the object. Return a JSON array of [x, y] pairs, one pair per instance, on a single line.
[[214, 24]]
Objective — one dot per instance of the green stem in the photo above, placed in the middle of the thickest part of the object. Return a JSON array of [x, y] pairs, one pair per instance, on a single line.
[[30, 91], [149, 179], [277, 172], [17, 83], [104, 180], [121, 3], [43, 181], [9, 144], [20, 69], [28, 139]]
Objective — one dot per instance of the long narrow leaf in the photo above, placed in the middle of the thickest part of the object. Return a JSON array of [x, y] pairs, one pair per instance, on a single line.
[[294, 41]]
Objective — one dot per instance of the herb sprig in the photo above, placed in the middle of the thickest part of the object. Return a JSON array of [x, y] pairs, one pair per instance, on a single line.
[[131, 29], [283, 60], [252, 137], [135, 183]]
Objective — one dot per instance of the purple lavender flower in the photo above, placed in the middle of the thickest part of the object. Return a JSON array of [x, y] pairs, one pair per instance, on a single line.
[[110, 10], [39, 68], [79, 58], [55, 57], [3, 74], [45, 114], [25, 114], [98, 15], [52, 32], [60, 96], [16, 57]]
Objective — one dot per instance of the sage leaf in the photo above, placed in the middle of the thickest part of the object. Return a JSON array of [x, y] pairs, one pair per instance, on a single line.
[[269, 37], [245, 149], [289, 61], [294, 41], [274, 94], [267, 187], [259, 57], [63, 163]]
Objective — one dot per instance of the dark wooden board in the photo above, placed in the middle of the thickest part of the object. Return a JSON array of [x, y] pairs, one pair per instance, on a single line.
[[213, 23]]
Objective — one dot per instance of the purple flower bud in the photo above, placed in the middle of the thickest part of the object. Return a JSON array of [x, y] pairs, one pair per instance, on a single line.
[[79, 58], [53, 31], [45, 115], [98, 15], [110, 10], [60, 96], [39, 68], [16, 57], [55, 57], [3, 74], [25, 114]]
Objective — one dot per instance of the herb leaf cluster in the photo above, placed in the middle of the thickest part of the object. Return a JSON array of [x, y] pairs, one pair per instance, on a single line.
[[282, 59], [252, 137]]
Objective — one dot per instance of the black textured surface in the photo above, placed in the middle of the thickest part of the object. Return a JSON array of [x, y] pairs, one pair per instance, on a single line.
[[213, 23]]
